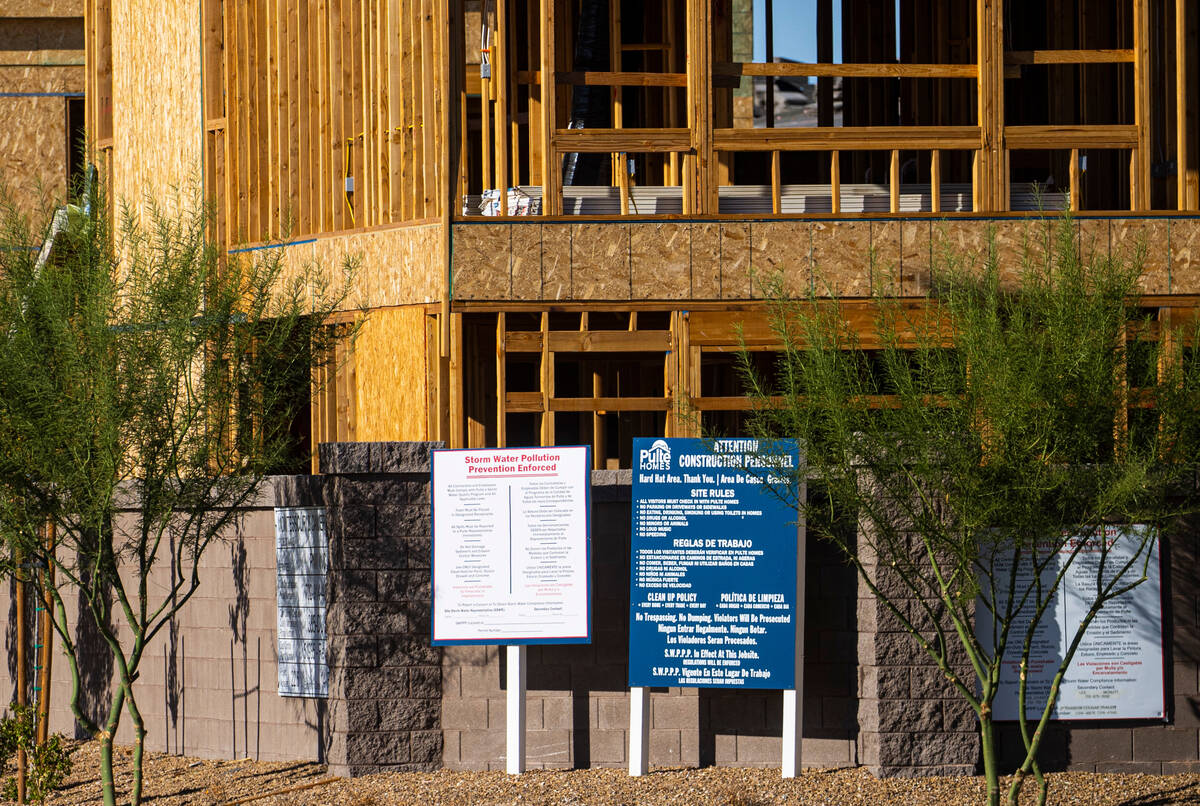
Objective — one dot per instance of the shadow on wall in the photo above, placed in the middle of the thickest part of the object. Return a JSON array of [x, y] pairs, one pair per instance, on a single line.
[[95, 659]]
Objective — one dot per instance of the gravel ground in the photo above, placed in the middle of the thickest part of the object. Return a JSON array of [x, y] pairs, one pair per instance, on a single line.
[[176, 780]]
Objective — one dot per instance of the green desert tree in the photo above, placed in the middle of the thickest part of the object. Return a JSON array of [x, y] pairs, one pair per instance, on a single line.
[[148, 386], [969, 439]]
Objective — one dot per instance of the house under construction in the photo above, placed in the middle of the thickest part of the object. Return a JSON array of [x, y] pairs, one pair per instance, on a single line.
[[565, 211]]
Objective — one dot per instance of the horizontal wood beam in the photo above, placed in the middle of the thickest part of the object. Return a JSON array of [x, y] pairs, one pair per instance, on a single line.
[[1112, 56], [829, 70], [848, 138], [611, 141], [517, 402], [595, 78], [1067, 137], [589, 341]]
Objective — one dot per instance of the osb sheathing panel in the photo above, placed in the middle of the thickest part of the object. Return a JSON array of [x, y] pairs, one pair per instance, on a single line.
[[482, 266], [1185, 256], [33, 153], [390, 355], [916, 253], [396, 266], [706, 260], [841, 257], [39, 78], [525, 246], [886, 249], [1150, 239], [660, 260], [556, 262], [600, 261], [961, 241], [735, 260], [779, 253], [157, 122], [1093, 237], [1020, 244], [42, 8]]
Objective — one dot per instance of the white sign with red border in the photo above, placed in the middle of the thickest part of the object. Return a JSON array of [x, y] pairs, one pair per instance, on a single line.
[[511, 548]]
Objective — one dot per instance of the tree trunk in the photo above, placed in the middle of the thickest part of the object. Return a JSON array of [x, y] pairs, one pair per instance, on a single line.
[[139, 745], [107, 784], [987, 742]]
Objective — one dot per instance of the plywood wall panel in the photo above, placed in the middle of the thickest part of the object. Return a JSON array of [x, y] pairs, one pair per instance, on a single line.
[[841, 258], [915, 258], [33, 154], [660, 260], [43, 8], [481, 262], [1094, 237], [526, 248], [556, 262], [735, 260], [1185, 256], [779, 254], [886, 249], [962, 242], [706, 260], [1150, 239], [600, 261], [39, 78], [390, 356], [157, 118]]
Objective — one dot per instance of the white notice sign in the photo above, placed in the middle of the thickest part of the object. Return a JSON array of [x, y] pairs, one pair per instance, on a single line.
[[301, 561], [1117, 671], [510, 546]]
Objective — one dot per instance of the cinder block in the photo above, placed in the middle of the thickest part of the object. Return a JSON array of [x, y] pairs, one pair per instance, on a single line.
[[548, 747], [558, 712], [464, 714], [1130, 767], [479, 748], [1162, 743], [1101, 745], [664, 748], [607, 746], [680, 713], [612, 713], [759, 751]]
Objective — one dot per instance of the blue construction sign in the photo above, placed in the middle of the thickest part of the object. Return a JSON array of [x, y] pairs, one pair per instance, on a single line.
[[713, 563]]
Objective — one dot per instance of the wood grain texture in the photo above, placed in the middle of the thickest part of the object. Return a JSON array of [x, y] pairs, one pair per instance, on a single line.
[[885, 257], [1093, 237], [660, 260], [600, 261], [915, 258], [779, 257], [841, 261], [706, 260], [482, 264], [1147, 240], [391, 374], [157, 114], [33, 154], [735, 260], [556, 262], [526, 248], [1185, 256]]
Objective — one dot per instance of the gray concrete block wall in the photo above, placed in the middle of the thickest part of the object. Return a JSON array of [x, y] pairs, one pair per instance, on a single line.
[[385, 680], [208, 684]]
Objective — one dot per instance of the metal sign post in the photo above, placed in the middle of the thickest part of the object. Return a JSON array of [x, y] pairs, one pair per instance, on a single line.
[[514, 717]]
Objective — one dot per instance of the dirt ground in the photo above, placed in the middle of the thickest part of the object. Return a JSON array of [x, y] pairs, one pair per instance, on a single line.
[[176, 780]]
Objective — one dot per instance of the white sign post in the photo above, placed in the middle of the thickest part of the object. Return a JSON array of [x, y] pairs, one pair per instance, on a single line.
[[511, 558]]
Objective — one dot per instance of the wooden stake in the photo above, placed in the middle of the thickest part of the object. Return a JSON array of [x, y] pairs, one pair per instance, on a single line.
[[935, 181], [1185, 177], [22, 690], [776, 189], [1073, 172], [894, 181], [835, 183], [47, 639], [1140, 160], [551, 163]]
